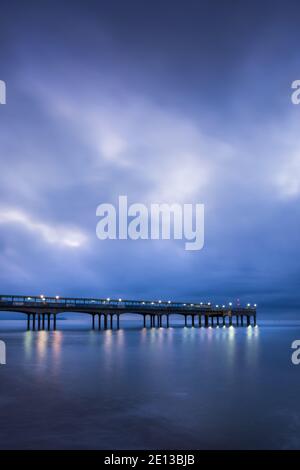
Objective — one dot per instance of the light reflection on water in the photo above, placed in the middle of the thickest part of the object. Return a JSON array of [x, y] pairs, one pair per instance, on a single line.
[[150, 388]]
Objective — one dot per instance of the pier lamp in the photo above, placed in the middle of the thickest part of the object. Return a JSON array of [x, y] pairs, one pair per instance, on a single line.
[[143, 303], [169, 301], [217, 306], [248, 305], [184, 305], [152, 303], [42, 296], [57, 297], [255, 305], [209, 303], [108, 299], [223, 306], [192, 305], [230, 304], [120, 300], [159, 301]]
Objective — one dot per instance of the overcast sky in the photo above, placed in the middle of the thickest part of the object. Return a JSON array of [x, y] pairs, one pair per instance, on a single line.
[[162, 101]]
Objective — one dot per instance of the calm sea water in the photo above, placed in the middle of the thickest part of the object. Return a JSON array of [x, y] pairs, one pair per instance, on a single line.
[[140, 389]]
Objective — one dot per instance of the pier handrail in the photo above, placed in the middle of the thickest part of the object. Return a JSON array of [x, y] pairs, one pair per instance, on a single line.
[[119, 303]]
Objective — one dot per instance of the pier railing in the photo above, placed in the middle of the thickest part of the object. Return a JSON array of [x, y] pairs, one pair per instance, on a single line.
[[57, 301]]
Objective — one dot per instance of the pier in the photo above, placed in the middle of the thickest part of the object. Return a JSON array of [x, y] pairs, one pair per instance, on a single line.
[[42, 312]]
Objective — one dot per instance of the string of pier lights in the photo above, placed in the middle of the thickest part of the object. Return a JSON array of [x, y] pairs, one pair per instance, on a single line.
[[42, 297], [185, 305]]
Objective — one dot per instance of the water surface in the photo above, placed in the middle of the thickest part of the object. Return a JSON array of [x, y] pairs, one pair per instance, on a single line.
[[134, 388]]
